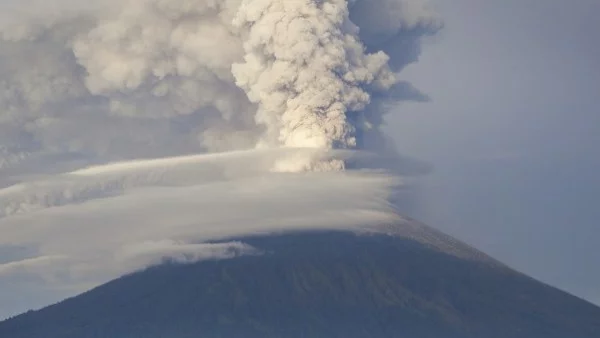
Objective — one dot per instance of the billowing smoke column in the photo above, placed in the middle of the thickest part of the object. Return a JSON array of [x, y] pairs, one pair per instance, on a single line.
[[307, 69], [141, 78]]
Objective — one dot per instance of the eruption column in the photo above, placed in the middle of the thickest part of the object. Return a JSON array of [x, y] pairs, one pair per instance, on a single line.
[[308, 71]]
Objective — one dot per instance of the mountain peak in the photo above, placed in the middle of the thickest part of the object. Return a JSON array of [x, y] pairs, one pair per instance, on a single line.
[[400, 280]]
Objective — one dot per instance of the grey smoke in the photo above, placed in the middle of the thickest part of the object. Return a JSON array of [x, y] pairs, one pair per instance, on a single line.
[[144, 78]]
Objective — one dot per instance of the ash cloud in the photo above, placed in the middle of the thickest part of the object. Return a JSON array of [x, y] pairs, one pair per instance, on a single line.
[[144, 78]]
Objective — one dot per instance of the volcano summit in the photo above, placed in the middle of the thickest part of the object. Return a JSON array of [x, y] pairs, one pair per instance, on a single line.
[[403, 280]]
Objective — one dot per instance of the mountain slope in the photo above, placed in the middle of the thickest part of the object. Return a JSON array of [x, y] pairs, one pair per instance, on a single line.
[[401, 281]]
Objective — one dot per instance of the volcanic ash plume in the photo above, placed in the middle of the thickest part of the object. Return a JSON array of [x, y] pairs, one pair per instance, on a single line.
[[307, 69], [166, 77]]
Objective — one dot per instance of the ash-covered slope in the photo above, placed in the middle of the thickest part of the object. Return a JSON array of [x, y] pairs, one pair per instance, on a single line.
[[400, 281]]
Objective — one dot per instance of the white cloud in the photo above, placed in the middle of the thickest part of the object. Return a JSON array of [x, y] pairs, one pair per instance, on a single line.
[[91, 225]]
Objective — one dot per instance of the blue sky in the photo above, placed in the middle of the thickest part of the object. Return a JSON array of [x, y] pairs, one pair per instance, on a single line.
[[513, 131]]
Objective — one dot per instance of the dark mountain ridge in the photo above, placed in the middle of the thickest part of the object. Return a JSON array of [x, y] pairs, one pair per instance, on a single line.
[[398, 281]]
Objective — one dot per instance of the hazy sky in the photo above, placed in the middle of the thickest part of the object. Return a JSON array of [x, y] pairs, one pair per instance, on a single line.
[[513, 131]]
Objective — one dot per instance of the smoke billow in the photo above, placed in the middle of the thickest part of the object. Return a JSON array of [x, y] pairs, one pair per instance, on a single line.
[[258, 91], [144, 78]]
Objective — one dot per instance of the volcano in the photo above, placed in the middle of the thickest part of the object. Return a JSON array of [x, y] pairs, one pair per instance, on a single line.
[[402, 280]]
